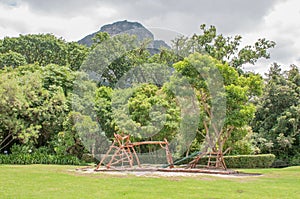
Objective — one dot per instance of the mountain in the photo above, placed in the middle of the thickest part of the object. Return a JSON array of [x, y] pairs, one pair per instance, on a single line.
[[126, 27]]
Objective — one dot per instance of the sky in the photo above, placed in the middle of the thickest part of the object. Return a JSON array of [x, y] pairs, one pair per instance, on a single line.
[[276, 20]]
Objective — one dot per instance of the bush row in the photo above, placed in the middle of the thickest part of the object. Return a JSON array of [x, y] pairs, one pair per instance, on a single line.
[[238, 161], [249, 161], [242, 161], [38, 159]]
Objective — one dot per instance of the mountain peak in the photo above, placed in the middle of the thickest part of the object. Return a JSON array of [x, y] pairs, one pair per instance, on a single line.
[[121, 27]]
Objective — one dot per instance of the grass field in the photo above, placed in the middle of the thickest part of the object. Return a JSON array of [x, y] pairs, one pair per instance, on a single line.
[[49, 181]]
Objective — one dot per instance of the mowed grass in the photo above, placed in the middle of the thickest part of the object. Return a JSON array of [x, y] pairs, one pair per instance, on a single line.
[[51, 181]]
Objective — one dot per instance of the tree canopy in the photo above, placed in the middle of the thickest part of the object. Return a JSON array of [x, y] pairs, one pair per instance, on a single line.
[[223, 48], [277, 118], [71, 99]]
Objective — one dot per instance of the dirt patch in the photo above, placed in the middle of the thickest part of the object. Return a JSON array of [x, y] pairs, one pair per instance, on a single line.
[[157, 173]]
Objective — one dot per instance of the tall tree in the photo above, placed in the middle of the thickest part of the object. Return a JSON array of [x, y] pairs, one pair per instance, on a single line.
[[223, 98], [111, 57], [44, 49], [222, 48], [277, 118], [29, 113]]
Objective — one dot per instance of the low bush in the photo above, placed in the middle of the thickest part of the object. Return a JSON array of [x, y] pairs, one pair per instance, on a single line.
[[249, 161], [241, 161], [38, 159], [295, 160]]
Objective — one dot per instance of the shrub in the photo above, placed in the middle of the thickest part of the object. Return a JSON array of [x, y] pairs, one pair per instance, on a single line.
[[249, 161], [20, 149], [242, 161], [295, 160], [38, 158]]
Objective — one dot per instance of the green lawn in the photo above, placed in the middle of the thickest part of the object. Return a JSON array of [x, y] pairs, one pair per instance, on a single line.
[[48, 181]]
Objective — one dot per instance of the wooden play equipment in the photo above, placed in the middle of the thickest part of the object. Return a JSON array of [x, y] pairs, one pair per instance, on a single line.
[[215, 160], [122, 152]]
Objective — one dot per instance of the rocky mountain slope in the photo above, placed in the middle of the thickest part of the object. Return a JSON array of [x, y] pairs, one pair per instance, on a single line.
[[126, 27]]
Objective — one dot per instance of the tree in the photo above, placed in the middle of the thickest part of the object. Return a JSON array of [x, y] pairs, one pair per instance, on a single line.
[[54, 76], [80, 135], [103, 108], [11, 59], [36, 102], [224, 96], [225, 49], [99, 38], [112, 57], [12, 102], [43, 49], [30, 114], [76, 54], [137, 111], [277, 118]]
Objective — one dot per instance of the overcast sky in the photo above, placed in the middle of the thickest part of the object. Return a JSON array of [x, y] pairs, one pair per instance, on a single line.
[[277, 20]]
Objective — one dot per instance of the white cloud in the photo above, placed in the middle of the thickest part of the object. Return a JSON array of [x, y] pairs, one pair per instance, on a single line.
[[74, 19], [281, 25], [20, 20]]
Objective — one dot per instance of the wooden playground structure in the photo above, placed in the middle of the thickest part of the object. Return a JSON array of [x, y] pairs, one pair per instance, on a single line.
[[125, 153], [215, 160], [122, 152]]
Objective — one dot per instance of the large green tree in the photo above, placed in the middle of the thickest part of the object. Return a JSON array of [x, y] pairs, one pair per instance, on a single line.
[[145, 112], [36, 108], [112, 57], [43, 49], [29, 113], [224, 98], [277, 118], [223, 48]]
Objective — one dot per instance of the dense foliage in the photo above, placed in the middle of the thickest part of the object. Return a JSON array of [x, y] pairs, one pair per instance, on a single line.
[[220, 47], [62, 98], [277, 121]]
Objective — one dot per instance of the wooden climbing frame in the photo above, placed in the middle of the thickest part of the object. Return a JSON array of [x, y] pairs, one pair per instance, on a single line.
[[124, 151], [215, 160]]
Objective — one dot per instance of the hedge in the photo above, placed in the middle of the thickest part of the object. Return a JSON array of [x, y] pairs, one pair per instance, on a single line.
[[249, 161], [238, 161], [38, 159], [242, 161]]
